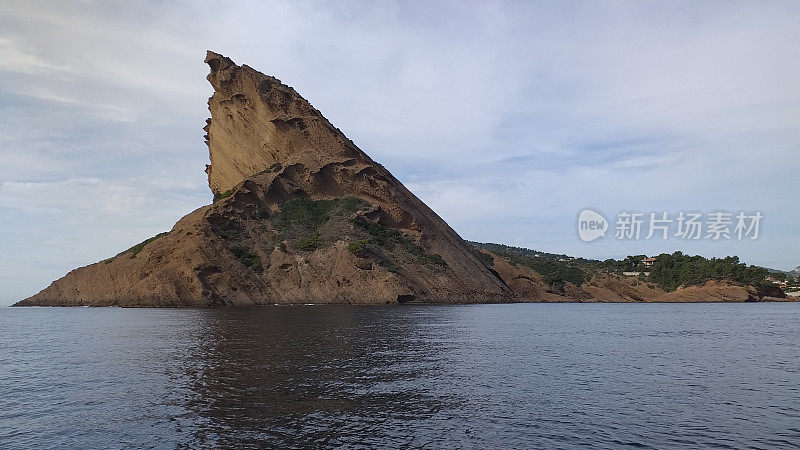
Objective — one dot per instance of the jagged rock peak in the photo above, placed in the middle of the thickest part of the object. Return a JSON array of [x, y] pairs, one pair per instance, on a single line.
[[258, 122]]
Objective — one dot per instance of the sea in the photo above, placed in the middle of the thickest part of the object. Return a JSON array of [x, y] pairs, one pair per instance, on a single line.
[[670, 376]]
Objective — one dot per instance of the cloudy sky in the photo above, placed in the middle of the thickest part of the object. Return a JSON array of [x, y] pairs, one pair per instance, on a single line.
[[507, 118]]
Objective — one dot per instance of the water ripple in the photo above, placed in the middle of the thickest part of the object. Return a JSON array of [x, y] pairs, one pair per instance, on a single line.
[[512, 376]]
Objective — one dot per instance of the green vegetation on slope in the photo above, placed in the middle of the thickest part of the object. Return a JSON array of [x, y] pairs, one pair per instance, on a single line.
[[306, 215], [247, 256], [308, 225], [631, 263], [672, 271], [556, 270], [226, 194], [310, 243], [358, 246], [298, 220], [524, 252], [133, 251], [554, 273], [388, 239]]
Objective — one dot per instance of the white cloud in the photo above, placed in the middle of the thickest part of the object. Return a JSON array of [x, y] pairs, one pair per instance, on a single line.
[[15, 59]]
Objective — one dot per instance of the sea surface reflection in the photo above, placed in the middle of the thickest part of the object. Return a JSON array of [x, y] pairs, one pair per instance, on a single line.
[[552, 375]]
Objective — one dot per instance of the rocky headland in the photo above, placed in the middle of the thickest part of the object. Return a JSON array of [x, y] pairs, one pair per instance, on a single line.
[[302, 215]]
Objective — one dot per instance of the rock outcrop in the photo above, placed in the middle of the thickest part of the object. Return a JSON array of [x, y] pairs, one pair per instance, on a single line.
[[302, 215]]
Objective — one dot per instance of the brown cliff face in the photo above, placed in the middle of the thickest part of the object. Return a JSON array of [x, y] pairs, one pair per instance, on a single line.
[[303, 216]]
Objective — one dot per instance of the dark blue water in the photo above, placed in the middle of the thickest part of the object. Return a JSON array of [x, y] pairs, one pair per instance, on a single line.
[[530, 375]]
